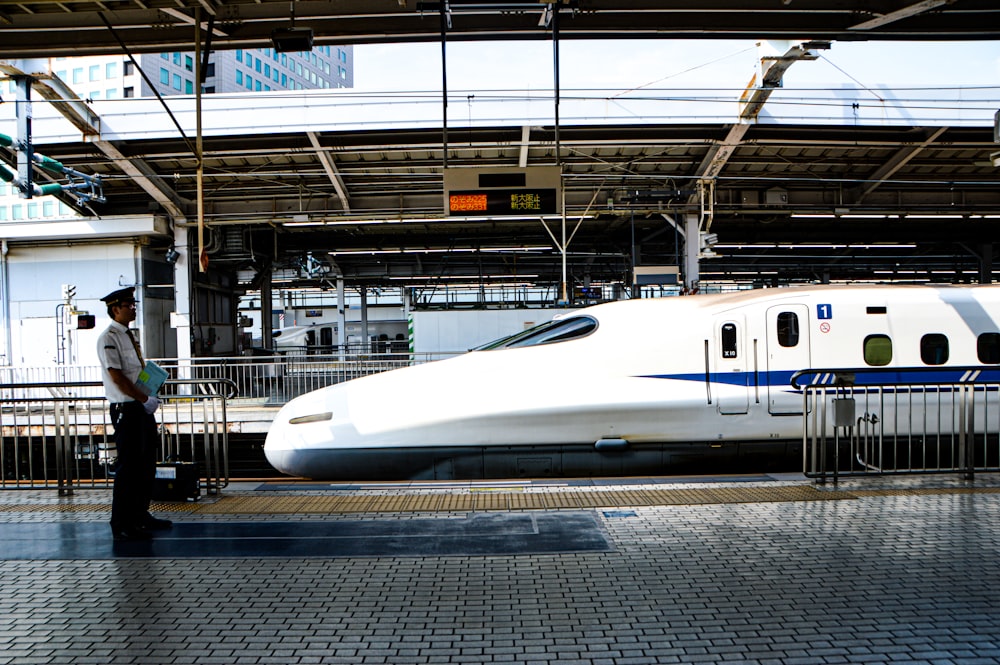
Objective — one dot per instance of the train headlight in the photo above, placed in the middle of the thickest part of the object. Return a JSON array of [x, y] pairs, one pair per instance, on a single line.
[[313, 418]]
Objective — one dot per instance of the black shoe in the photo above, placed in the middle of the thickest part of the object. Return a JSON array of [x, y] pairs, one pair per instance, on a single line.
[[156, 524], [130, 534]]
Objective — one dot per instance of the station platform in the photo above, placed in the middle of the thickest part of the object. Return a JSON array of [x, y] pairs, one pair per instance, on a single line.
[[750, 569]]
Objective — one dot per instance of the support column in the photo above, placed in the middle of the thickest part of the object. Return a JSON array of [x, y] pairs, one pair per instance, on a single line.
[[181, 317], [986, 263], [25, 149], [266, 311], [341, 319], [364, 318], [692, 247]]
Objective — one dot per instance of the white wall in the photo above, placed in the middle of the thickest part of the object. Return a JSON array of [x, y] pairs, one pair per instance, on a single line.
[[36, 276]]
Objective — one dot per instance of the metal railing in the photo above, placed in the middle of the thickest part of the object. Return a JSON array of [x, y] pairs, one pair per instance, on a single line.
[[857, 422], [59, 433], [261, 380]]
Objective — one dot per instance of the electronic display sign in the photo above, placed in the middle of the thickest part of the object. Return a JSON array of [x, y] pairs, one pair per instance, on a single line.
[[503, 191], [503, 202]]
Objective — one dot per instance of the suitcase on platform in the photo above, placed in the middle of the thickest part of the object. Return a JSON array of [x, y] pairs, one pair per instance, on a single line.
[[176, 481]]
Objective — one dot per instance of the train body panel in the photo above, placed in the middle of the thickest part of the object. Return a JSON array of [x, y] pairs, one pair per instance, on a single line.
[[700, 370]]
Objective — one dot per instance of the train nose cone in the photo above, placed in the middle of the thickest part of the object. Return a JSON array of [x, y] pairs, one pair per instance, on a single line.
[[304, 428]]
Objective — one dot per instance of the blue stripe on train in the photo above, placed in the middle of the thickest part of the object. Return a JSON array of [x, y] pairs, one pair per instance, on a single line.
[[821, 377]]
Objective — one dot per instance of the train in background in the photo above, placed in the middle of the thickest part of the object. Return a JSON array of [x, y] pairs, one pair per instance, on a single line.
[[633, 387], [321, 337]]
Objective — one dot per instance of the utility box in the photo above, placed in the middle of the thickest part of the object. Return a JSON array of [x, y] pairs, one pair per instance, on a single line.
[[843, 412], [776, 196]]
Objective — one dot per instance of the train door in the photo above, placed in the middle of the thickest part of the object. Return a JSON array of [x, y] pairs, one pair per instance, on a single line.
[[787, 352], [730, 366]]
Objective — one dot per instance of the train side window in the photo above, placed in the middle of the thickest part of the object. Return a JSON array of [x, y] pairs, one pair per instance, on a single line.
[[560, 330], [934, 349], [988, 348], [326, 336], [788, 329], [878, 350], [728, 340]]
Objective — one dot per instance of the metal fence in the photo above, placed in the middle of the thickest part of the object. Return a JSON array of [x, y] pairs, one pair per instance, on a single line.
[[881, 428], [262, 380], [58, 434]]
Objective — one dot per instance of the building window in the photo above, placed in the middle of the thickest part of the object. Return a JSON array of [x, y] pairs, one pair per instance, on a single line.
[[48, 208], [32, 210], [177, 59], [177, 82], [257, 65], [878, 350], [111, 70], [164, 76], [128, 93], [343, 73], [934, 349], [188, 63], [78, 75], [239, 77], [210, 70], [111, 93], [165, 56], [256, 86], [988, 348], [239, 55], [284, 80], [17, 212], [249, 82], [188, 87], [128, 68], [267, 71], [3, 213]]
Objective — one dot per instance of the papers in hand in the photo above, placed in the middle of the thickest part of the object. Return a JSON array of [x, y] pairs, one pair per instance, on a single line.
[[151, 378]]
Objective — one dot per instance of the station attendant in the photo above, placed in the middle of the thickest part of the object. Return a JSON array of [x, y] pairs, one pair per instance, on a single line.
[[132, 412]]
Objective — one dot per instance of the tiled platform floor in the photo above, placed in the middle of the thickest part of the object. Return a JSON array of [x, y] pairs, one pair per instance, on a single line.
[[901, 571]]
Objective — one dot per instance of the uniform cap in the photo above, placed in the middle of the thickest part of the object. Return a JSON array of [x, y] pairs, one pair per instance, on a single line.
[[120, 296]]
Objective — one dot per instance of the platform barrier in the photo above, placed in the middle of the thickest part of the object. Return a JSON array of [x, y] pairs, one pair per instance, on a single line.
[[266, 380], [60, 435], [855, 425]]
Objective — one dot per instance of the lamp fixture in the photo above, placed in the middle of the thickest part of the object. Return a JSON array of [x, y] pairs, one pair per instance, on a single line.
[[292, 39]]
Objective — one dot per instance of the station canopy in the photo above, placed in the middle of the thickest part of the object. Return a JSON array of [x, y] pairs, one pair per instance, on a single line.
[[801, 200]]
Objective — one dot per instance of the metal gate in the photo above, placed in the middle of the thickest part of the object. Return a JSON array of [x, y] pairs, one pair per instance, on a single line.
[[60, 435], [862, 422]]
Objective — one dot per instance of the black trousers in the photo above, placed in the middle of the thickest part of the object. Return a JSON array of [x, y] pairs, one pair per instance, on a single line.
[[136, 439]]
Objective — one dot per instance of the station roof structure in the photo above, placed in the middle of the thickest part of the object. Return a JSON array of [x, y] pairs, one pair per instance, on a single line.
[[802, 200], [77, 27]]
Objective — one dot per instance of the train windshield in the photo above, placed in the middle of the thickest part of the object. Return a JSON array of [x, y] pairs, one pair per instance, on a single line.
[[545, 333]]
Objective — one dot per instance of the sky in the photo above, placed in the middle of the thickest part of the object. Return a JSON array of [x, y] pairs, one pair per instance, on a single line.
[[667, 64]]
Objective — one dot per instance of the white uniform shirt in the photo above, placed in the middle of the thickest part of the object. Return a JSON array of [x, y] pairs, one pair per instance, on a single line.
[[116, 351]]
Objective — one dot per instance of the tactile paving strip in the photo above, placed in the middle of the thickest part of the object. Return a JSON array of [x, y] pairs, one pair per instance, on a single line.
[[508, 500]]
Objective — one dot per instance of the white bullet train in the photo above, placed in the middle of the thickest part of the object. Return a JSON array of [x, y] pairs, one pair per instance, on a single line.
[[633, 387]]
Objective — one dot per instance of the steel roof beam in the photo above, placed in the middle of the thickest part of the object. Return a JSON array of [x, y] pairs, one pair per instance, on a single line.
[[898, 161], [146, 178], [331, 171]]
